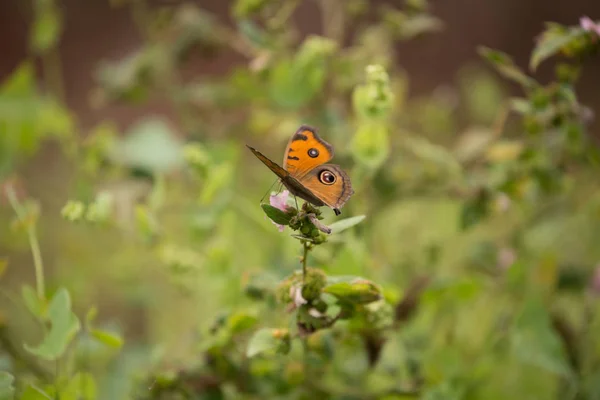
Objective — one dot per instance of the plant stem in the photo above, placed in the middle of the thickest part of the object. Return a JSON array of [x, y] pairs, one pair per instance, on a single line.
[[33, 241], [304, 260], [37, 261]]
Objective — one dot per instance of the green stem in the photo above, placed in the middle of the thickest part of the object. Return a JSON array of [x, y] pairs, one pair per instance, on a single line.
[[304, 261], [37, 261], [33, 241]]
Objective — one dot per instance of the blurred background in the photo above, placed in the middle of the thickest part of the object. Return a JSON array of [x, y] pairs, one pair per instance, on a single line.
[[95, 31], [123, 132]]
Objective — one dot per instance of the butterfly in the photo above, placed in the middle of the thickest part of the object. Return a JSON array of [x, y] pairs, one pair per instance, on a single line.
[[305, 172]]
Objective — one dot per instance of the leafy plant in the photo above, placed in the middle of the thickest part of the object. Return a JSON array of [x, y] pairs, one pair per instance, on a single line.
[[466, 268]]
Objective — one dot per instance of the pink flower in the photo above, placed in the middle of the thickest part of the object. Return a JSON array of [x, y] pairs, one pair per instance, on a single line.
[[588, 25], [280, 201]]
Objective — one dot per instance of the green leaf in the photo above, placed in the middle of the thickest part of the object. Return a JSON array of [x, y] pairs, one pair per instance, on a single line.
[[552, 43], [268, 341], [101, 208], [241, 322], [123, 79], [6, 386], [276, 215], [21, 82], [535, 342], [109, 339], [371, 144], [293, 84], [244, 8], [55, 120], [420, 24], [358, 291], [520, 105], [506, 66], [47, 26], [34, 393], [373, 100], [342, 225], [81, 387], [254, 33], [34, 304], [315, 49], [150, 145], [64, 326], [474, 210]]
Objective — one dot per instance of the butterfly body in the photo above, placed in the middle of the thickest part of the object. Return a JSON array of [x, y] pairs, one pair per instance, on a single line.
[[306, 174]]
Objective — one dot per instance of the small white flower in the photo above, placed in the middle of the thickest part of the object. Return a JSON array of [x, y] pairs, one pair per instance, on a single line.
[[313, 312], [296, 295]]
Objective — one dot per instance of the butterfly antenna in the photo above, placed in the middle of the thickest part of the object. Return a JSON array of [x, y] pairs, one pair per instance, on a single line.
[[268, 191]]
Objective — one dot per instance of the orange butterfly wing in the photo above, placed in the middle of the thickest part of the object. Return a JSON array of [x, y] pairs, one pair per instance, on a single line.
[[305, 151], [305, 173], [330, 184]]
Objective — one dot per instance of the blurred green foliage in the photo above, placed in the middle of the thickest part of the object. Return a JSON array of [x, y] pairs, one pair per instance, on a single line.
[[158, 275]]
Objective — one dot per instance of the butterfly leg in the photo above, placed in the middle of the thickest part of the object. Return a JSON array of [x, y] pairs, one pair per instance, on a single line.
[[271, 187]]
